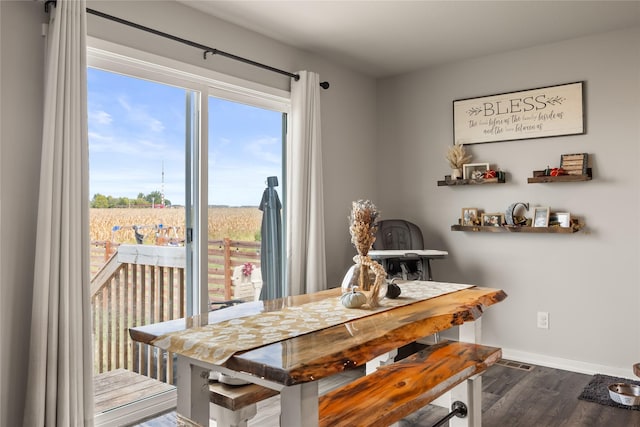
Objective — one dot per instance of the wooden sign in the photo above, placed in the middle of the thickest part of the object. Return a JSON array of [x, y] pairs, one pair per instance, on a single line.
[[574, 164], [533, 113]]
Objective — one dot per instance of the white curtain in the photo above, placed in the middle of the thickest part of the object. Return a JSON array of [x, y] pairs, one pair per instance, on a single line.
[[306, 263], [60, 375]]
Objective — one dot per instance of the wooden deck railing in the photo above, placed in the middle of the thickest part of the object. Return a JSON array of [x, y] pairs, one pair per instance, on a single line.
[[143, 284]]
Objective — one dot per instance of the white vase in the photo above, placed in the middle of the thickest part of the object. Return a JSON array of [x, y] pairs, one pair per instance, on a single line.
[[456, 173]]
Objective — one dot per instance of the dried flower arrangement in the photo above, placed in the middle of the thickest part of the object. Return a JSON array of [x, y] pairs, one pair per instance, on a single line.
[[363, 228], [363, 225], [457, 156]]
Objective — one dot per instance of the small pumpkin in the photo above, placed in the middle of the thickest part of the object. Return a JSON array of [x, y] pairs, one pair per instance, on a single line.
[[353, 299], [393, 291], [490, 174], [556, 172]]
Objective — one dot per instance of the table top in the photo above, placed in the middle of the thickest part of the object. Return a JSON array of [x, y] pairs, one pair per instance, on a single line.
[[401, 253], [328, 351]]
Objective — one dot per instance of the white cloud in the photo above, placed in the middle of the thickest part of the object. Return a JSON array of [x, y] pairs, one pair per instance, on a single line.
[[100, 117], [265, 149], [138, 114]]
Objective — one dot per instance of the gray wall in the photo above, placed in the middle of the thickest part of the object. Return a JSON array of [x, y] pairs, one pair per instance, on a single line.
[[21, 76], [589, 282]]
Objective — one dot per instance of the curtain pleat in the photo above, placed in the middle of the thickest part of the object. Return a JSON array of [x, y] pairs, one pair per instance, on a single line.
[[60, 375], [306, 262]]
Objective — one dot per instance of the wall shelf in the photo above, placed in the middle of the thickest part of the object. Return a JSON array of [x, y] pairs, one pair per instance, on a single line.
[[539, 177], [515, 229], [453, 182]]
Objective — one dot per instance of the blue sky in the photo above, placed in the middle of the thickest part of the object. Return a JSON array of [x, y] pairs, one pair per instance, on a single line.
[[137, 126]]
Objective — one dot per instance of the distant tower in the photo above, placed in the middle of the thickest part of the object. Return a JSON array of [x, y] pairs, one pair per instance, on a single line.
[[162, 188]]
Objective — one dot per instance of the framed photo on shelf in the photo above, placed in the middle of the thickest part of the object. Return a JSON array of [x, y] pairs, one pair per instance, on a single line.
[[563, 219], [540, 217], [492, 219], [474, 170], [469, 216]]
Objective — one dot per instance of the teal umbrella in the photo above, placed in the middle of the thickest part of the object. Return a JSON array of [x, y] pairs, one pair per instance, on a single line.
[[271, 247]]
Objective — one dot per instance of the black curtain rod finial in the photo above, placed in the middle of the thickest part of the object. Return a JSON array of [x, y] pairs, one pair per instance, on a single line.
[[324, 85], [47, 3]]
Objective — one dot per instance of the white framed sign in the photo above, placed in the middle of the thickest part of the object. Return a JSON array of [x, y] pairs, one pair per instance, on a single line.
[[533, 113]]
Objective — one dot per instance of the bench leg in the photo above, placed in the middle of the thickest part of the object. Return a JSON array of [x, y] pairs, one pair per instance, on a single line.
[[470, 393], [227, 418]]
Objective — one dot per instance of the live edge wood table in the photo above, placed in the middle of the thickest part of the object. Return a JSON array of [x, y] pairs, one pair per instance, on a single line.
[[293, 365]]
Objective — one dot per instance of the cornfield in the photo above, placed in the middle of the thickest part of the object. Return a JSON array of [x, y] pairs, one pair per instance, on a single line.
[[117, 225]]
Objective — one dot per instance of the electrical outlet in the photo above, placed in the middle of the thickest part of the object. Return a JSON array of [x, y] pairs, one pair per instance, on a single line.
[[543, 320]]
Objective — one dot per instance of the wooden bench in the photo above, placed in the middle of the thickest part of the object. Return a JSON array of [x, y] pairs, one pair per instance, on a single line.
[[394, 391], [234, 405]]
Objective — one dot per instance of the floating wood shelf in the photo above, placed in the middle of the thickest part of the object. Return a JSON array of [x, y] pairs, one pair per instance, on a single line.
[[513, 229], [450, 182], [539, 177]]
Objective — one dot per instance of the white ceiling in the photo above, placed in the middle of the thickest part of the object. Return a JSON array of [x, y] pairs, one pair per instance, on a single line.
[[385, 38]]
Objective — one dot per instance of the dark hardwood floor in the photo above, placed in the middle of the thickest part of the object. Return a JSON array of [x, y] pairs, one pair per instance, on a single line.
[[512, 397]]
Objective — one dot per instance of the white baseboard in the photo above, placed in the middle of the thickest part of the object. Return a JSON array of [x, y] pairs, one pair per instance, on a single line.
[[137, 411], [566, 364]]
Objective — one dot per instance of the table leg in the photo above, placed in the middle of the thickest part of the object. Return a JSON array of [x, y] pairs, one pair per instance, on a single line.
[[193, 391], [299, 405], [471, 331], [467, 332], [383, 359]]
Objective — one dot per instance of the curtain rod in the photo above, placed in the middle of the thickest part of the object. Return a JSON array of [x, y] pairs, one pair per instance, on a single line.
[[206, 49]]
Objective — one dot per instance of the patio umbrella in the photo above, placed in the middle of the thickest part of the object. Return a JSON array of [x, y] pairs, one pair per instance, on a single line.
[[271, 247]]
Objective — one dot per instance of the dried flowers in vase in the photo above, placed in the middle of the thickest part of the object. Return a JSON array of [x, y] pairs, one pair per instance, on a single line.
[[457, 157], [363, 227]]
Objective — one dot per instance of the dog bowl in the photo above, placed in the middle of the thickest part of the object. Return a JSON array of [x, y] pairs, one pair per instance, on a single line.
[[625, 394]]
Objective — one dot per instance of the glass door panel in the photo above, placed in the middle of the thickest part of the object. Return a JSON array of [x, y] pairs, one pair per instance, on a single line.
[[245, 155], [137, 158]]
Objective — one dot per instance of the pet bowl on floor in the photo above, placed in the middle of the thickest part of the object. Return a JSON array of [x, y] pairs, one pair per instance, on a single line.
[[625, 394]]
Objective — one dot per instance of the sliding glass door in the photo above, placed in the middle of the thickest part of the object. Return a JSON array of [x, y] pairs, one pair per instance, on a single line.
[[179, 165]]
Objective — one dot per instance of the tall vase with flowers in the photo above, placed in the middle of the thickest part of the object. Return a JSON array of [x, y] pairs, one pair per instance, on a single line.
[[367, 273]]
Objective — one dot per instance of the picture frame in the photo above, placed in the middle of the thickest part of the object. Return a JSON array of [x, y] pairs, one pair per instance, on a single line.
[[574, 164], [540, 217], [469, 216], [561, 219], [492, 219], [470, 170], [532, 113]]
